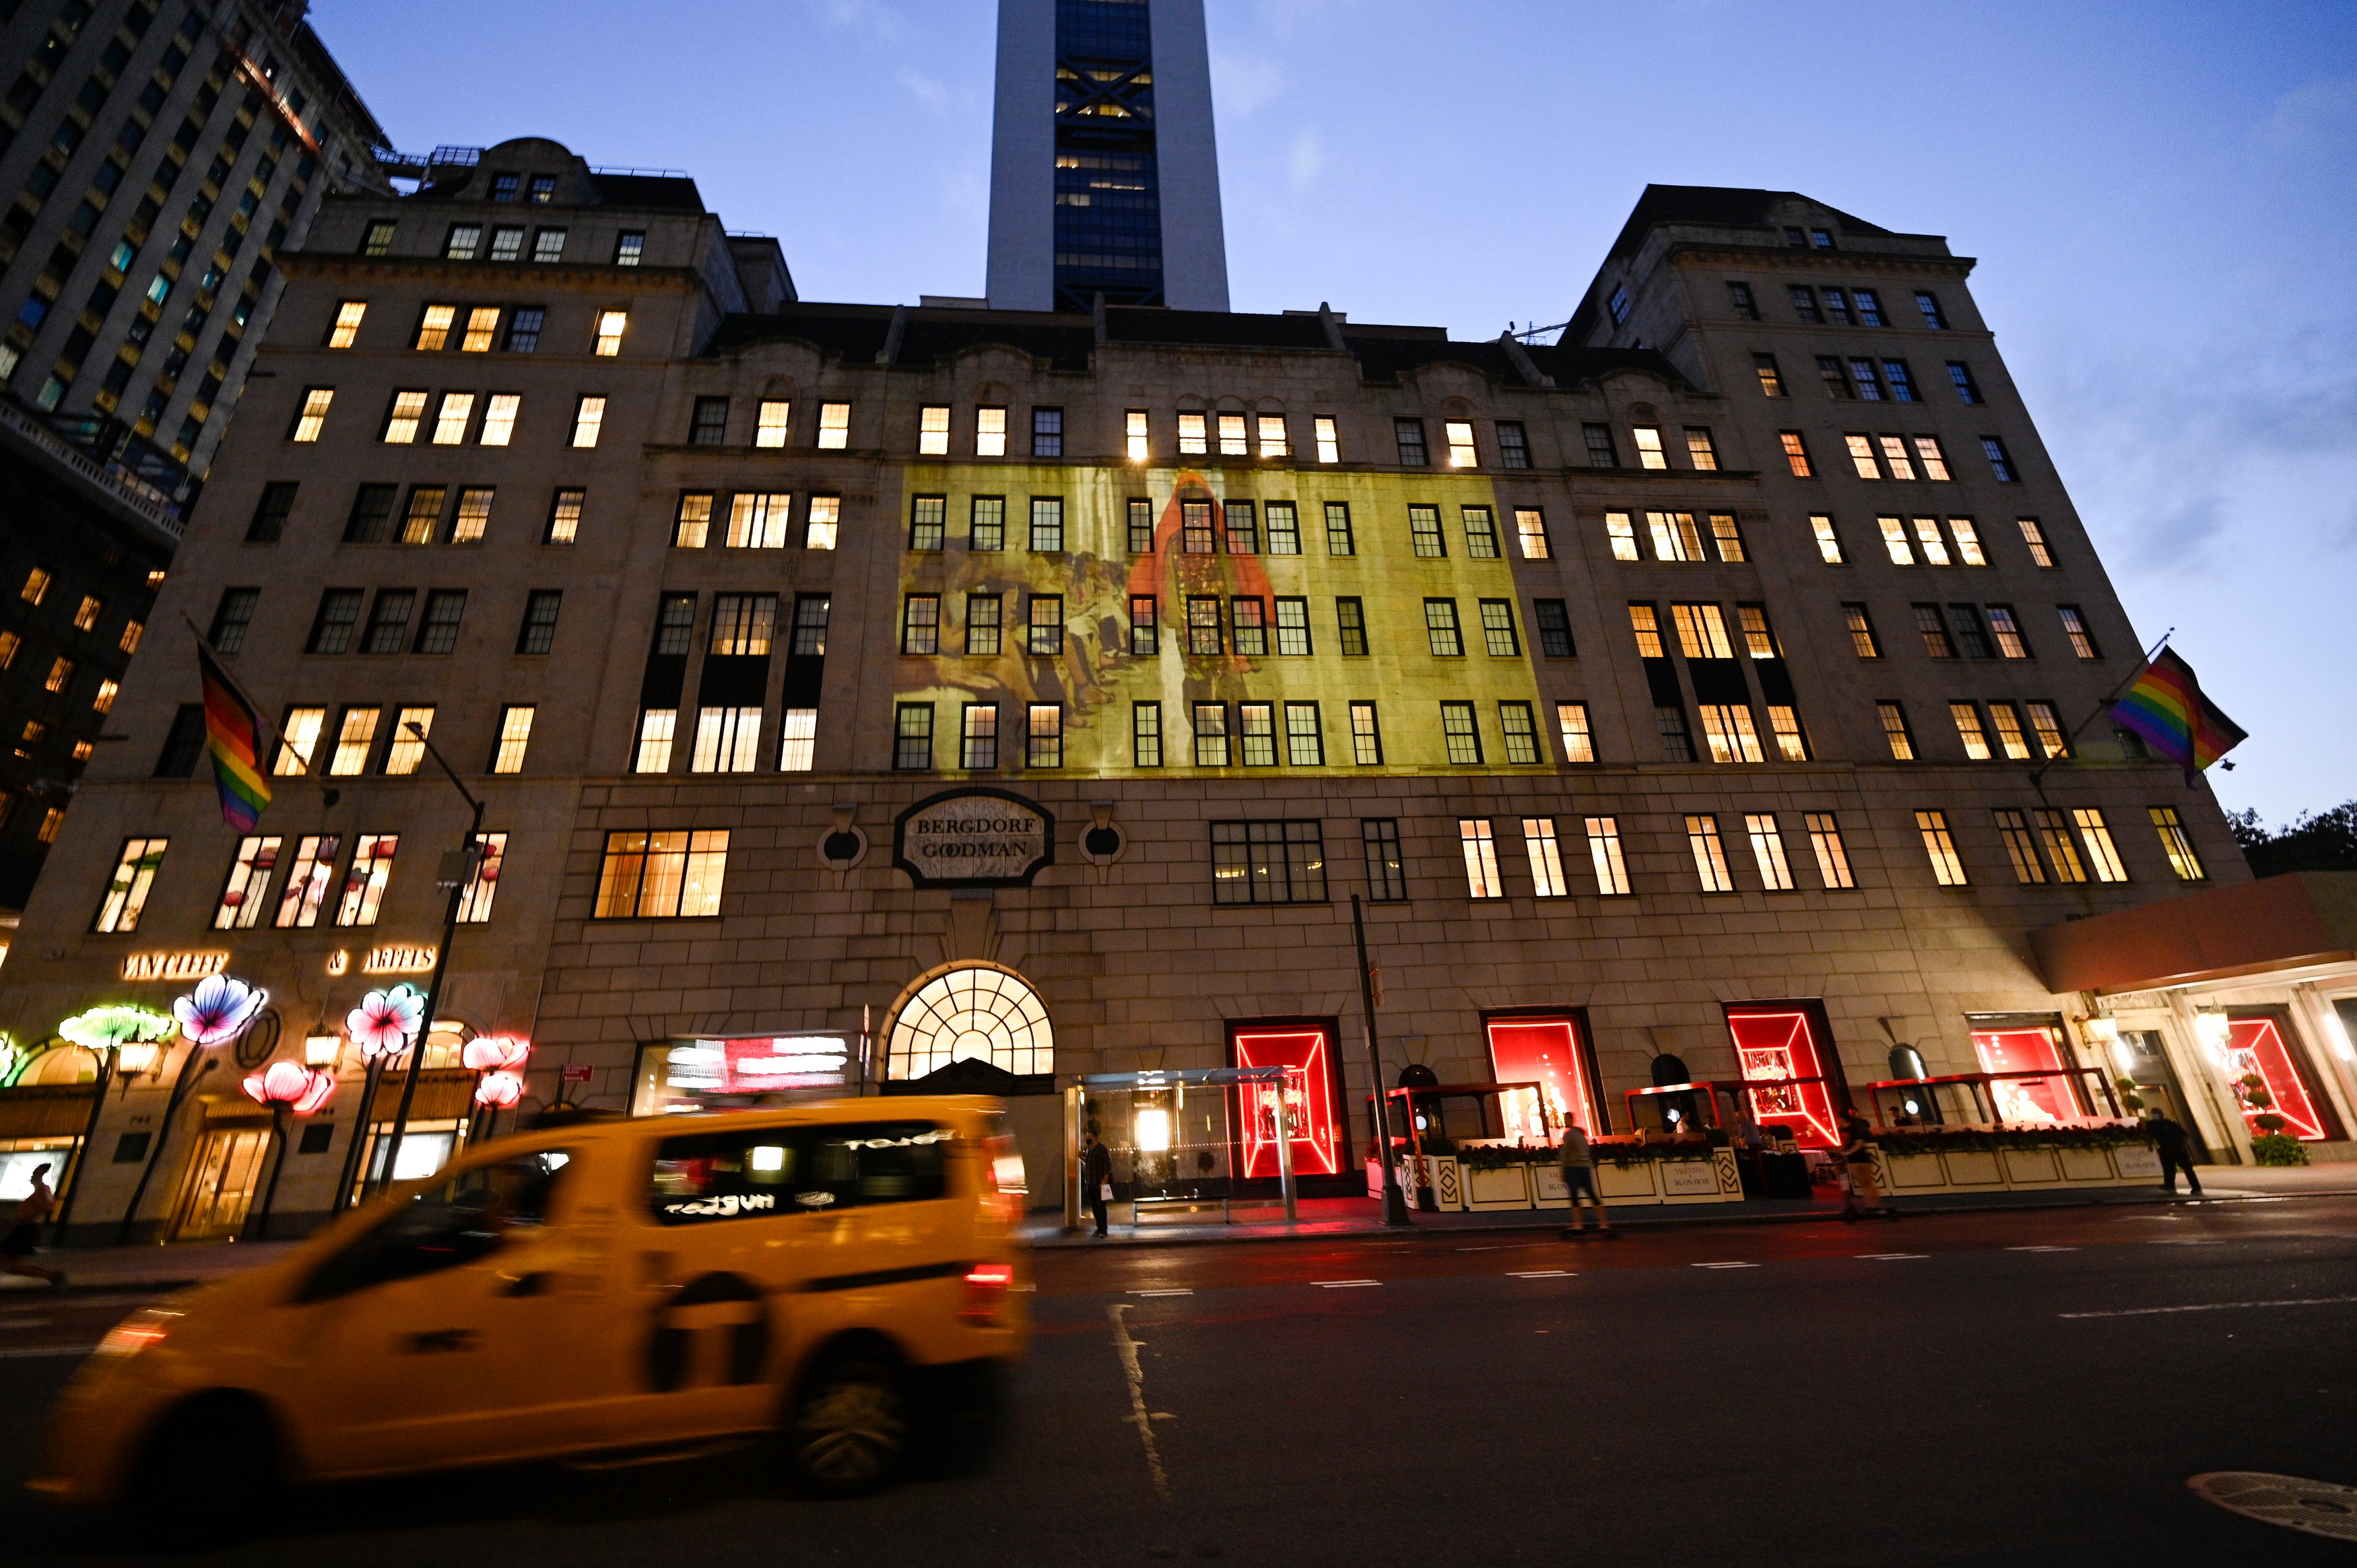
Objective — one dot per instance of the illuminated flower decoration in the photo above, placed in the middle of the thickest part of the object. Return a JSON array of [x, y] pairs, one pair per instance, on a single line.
[[499, 1089], [218, 1008], [293, 1085], [386, 1021], [12, 1057], [495, 1053], [104, 1028]]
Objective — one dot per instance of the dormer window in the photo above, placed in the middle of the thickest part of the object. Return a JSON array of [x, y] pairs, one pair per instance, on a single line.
[[503, 187], [544, 189], [1796, 237], [630, 249], [1823, 239], [1618, 303]]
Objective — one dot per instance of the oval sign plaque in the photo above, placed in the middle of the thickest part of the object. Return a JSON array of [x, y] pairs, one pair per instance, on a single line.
[[974, 838]]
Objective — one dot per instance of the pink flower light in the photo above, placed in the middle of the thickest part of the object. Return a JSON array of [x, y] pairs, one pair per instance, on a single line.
[[293, 1085], [499, 1090], [493, 1053], [218, 1008], [386, 1021]]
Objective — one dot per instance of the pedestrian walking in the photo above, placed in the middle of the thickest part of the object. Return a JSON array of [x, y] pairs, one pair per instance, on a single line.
[[24, 1237], [2174, 1144], [1096, 1176], [1579, 1162], [1864, 1194]]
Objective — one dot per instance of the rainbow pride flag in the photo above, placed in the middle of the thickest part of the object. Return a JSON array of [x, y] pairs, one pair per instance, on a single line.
[[233, 740], [2166, 706]]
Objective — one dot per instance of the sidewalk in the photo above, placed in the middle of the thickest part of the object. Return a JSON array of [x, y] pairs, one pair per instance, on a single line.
[[148, 1268], [1363, 1215]]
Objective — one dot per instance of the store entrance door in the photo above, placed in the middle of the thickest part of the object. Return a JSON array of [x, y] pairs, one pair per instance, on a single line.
[[222, 1183], [2157, 1086]]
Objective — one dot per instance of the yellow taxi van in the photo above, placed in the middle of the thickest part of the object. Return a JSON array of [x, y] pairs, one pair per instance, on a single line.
[[843, 1275]]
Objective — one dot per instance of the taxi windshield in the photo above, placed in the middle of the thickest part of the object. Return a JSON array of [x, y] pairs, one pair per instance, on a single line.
[[455, 1222]]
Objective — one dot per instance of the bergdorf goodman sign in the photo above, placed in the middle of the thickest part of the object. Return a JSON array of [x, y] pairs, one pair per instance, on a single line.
[[974, 838]]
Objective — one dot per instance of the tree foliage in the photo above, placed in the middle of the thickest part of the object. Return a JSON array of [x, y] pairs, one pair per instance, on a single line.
[[2317, 841]]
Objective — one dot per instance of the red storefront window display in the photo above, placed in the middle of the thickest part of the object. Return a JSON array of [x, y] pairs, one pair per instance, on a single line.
[[1773, 1046], [1547, 1050], [1316, 1149], [2257, 1046], [2025, 1100]]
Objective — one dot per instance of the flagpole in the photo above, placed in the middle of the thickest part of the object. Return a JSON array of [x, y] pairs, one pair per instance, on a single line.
[[2038, 774], [261, 717]]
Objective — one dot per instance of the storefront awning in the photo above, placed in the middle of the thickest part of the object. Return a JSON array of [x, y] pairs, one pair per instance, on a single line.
[[2295, 921]]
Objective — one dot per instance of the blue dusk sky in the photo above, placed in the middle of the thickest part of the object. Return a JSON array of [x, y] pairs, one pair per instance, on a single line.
[[2162, 199]]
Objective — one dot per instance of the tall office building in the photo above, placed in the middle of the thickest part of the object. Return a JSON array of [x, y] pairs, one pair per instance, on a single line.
[[1105, 172]]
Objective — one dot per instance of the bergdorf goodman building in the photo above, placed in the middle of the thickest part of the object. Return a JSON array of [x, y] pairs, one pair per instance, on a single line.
[[1032, 692]]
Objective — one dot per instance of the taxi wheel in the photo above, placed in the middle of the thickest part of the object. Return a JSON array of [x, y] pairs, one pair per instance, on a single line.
[[849, 1430], [213, 1449]]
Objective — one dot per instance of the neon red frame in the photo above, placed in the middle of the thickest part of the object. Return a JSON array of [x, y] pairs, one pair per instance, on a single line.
[[2032, 1050], [1775, 1044], [1316, 1141], [1546, 1050], [2257, 1045]]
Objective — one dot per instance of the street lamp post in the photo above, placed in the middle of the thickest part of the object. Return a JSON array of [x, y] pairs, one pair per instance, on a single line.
[[1394, 1202], [441, 957]]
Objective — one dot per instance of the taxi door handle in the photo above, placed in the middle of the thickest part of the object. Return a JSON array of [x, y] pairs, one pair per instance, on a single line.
[[535, 1283]]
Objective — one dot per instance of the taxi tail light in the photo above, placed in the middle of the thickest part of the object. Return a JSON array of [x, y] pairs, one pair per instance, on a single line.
[[986, 1286], [142, 1330]]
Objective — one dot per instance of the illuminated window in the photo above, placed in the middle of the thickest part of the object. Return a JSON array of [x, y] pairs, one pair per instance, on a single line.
[[657, 729], [1522, 732], [1728, 732], [774, 422], [450, 423], [921, 619], [1968, 730], [932, 430], [990, 432], [1796, 454], [1700, 450], [834, 426], [500, 417], [1463, 736], [978, 736], [1194, 436], [629, 248], [1256, 732], [1604, 854], [1833, 857], [1441, 630], [1709, 854], [10, 642], [403, 416], [1702, 632], [1498, 630], [798, 740], [1366, 736], [370, 869], [1137, 446], [423, 517], [2035, 537], [1146, 734], [1644, 620], [2061, 848], [37, 586], [2047, 726], [1292, 628], [1768, 852], [662, 875], [1351, 622], [2007, 628], [354, 740], [2101, 853], [758, 522], [2000, 463], [912, 737], [1047, 523], [1423, 528], [515, 734], [482, 885], [1771, 381], [1861, 632], [1458, 434], [1330, 444], [1407, 435], [1861, 456], [1233, 442], [1480, 858], [299, 735], [1894, 457], [2178, 846], [61, 672], [126, 893], [410, 728], [1895, 731], [129, 643], [1933, 462], [1947, 869], [548, 245], [1283, 528], [612, 325], [1305, 737], [2013, 830], [1650, 454], [1047, 626], [245, 894], [434, 326], [347, 330], [379, 241], [1480, 533], [1723, 533], [1675, 538], [482, 328], [589, 416], [1210, 734], [1269, 429], [1894, 539], [727, 740], [2074, 627], [980, 1014], [1619, 527], [308, 880], [1598, 438], [824, 521], [1529, 530], [1785, 724], [692, 529], [1571, 723]]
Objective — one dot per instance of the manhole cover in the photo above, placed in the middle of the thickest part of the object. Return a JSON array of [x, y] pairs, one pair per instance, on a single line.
[[2319, 1507]]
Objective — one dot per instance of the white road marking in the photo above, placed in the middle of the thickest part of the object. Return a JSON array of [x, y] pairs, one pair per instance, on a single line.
[[1127, 1349], [1343, 1284], [1540, 1274], [8, 1323], [2215, 1307], [1727, 1265], [1180, 1291], [1890, 1257], [24, 1352], [2185, 1242], [2041, 1249]]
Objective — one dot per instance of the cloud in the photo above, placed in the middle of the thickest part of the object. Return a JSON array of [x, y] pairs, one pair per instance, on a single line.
[[923, 88], [864, 16], [2315, 117], [1305, 160], [1244, 83]]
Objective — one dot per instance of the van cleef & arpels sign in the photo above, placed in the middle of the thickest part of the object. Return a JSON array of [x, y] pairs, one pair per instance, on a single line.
[[974, 838]]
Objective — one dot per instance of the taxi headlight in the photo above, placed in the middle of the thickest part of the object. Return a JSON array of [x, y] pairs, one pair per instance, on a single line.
[[146, 1328]]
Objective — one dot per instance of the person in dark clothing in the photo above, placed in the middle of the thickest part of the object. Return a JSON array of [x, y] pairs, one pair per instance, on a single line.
[[1096, 1176], [1865, 1195], [2176, 1153]]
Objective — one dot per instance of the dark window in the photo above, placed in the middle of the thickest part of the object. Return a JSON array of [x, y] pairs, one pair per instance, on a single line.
[[811, 613], [1677, 741], [1902, 379], [1928, 304], [331, 629], [710, 424], [2000, 463], [538, 634], [1836, 379], [270, 515], [1972, 638], [1554, 620], [1771, 381], [1513, 445], [1145, 628], [1601, 452], [1823, 239], [1935, 629], [928, 522], [1386, 870], [371, 519], [629, 248], [1739, 295], [438, 633], [1961, 375], [1805, 302], [185, 745], [1351, 619], [523, 328], [1047, 432], [1268, 863], [1869, 306], [1618, 303], [912, 737], [1339, 538], [233, 615], [389, 620], [1409, 434]]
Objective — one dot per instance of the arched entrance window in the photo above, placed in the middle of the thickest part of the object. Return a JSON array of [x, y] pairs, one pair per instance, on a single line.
[[971, 1014]]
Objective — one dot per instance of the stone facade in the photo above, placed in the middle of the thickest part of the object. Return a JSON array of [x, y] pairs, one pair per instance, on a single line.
[[1134, 956]]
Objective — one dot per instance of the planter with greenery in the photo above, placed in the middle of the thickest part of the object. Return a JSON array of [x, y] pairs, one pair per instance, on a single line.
[[2278, 1149]]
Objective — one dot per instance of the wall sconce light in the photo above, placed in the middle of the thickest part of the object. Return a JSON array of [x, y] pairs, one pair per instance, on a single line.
[[2338, 1032], [137, 1057], [321, 1050], [2210, 1025]]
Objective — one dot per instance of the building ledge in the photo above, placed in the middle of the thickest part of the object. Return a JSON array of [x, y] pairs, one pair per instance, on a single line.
[[131, 498], [2306, 919]]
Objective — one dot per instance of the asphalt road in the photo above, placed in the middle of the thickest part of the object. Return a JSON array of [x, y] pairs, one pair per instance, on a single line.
[[1982, 1389]]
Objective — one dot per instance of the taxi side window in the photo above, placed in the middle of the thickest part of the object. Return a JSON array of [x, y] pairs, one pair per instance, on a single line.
[[454, 1222], [875, 1162], [714, 1176]]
